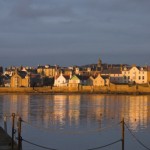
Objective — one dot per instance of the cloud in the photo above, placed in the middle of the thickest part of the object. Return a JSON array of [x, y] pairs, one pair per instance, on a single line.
[[30, 9], [66, 26]]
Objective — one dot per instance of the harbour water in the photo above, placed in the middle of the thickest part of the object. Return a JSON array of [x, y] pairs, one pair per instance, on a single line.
[[79, 122]]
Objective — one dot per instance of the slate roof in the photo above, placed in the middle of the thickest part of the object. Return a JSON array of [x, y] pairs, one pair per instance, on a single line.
[[22, 74], [81, 77], [138, 67], [105, 77], [111, 71], [44, 67], [66, 77]]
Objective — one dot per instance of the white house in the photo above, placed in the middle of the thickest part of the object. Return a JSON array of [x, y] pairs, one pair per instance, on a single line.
[[135, 75], [61, 80]]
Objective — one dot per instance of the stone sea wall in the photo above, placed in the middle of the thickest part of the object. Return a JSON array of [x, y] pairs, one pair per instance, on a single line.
[[112, 89]]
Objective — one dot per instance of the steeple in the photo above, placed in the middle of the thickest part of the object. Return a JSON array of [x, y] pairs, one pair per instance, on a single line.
[[99, 64]]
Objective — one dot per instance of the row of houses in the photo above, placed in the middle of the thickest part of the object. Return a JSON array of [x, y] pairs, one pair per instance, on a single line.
[[93, 75], [130, 75], [23, 79], [126, 75], [77, 80]]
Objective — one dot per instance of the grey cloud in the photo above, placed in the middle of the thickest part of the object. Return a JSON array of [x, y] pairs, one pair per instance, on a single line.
[[35, 9], [56, 27]]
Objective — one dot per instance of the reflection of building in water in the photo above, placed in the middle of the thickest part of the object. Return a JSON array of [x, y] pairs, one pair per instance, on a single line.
[[65, 110], [24, 106], [59, 110], [112, 107], [18, 104], [74, 109], [13, 104], [137, 111], [133, 108], [40, 110], [95, 109], [46, 111]]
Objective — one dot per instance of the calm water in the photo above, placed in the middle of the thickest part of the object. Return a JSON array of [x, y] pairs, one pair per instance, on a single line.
[[79, 122]]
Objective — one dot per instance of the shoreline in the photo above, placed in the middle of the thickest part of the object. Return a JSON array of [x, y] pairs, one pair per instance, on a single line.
[[84, 90]]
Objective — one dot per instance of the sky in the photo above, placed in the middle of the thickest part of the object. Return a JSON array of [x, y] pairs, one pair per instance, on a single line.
[[74, 32]]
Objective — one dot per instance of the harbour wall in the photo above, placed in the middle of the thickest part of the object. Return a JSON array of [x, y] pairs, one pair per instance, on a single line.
[[112, 89]]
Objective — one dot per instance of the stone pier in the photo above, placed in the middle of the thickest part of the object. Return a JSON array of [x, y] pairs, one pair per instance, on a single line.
[[5, 141]]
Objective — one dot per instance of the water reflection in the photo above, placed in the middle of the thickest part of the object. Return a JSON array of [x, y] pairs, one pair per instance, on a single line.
[[78, 111], [137, 113]]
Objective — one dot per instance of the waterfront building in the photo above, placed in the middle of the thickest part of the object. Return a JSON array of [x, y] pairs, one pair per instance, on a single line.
[[77, 80], [29, 69], [20, 79], [115, 74], [62, 80], [101, 81], [148, 75], [90, 81], [24, 79], [127, 74], [48, 71], [135, 74], [48, 81], [66, 71]]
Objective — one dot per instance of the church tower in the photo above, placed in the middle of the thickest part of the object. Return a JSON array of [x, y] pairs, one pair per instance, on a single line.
[[99, 64]]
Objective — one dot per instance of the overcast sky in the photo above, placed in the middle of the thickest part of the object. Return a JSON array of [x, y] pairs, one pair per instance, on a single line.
[[73, 32]]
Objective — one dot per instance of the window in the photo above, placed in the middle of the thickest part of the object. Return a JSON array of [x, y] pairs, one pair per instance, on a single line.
[[125, 77], [128, 77], [139, 77], [143, 77], [16, 81]]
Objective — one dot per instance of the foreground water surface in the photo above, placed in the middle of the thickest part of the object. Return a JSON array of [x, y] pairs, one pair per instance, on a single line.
[[79, 122]]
